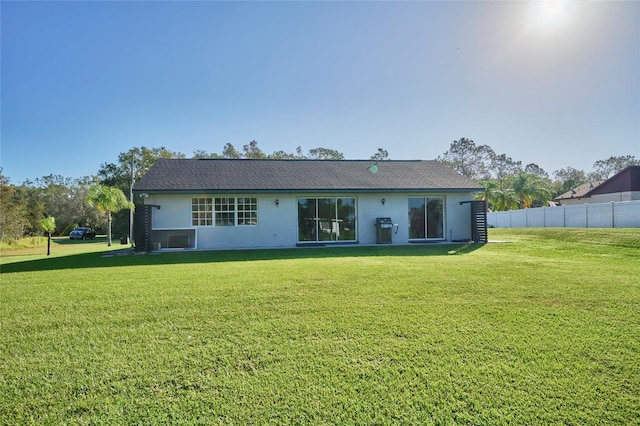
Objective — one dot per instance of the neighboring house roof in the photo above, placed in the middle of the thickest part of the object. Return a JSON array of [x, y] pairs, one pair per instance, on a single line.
[[626, 180], [227, 175], [578, 192]]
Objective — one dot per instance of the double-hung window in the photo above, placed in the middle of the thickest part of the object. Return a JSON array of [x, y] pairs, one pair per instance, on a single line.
[[225, 211], [247, 208], [201, 212]]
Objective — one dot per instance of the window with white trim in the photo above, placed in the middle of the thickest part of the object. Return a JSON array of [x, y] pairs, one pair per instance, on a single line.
[[224, 211], [247, 208], [201, 211]]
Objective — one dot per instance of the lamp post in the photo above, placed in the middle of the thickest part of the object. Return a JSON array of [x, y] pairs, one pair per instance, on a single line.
[[131, 200]]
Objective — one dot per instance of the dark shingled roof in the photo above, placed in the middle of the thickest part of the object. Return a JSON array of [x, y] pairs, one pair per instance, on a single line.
[[578, 192], [200, 175], [626, 180]]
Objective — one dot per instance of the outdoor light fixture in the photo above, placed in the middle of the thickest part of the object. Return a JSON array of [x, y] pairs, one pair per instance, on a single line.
[[277, 202], [383, 201]]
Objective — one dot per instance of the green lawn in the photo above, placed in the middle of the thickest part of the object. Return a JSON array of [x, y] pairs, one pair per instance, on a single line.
[[543, 329]]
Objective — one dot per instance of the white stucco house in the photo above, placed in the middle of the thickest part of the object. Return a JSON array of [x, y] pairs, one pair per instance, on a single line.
[[228, 203]]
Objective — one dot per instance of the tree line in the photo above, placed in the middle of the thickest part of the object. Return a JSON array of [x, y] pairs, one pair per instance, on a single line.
[[507, 184], [510, 185]]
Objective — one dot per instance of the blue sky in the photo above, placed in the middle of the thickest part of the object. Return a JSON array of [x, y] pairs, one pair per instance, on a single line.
[[551, 83]]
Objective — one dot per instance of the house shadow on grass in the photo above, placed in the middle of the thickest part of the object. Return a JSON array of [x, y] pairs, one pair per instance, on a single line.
[[119, 259]]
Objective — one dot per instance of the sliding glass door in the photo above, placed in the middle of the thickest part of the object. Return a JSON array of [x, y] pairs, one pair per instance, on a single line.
[[326, 219], [426, 218]]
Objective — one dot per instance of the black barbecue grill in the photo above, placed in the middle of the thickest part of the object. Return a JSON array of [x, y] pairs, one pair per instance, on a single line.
[[384, 225]]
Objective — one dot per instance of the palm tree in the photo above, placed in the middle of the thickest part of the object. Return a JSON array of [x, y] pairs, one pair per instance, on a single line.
[[499, 196], [505, 199], [48, 224], [485, 195], [108, 199], [529, 187]]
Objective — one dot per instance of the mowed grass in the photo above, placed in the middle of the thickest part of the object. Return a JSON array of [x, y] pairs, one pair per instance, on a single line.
[[544, 329]]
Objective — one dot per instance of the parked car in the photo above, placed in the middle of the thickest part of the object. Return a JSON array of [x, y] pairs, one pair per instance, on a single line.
[[82, 234]]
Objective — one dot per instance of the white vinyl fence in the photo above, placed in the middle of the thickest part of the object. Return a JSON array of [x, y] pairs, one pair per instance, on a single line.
[[623, 214]]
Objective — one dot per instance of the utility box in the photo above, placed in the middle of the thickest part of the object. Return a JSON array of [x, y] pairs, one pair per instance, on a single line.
[[384, 225]]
